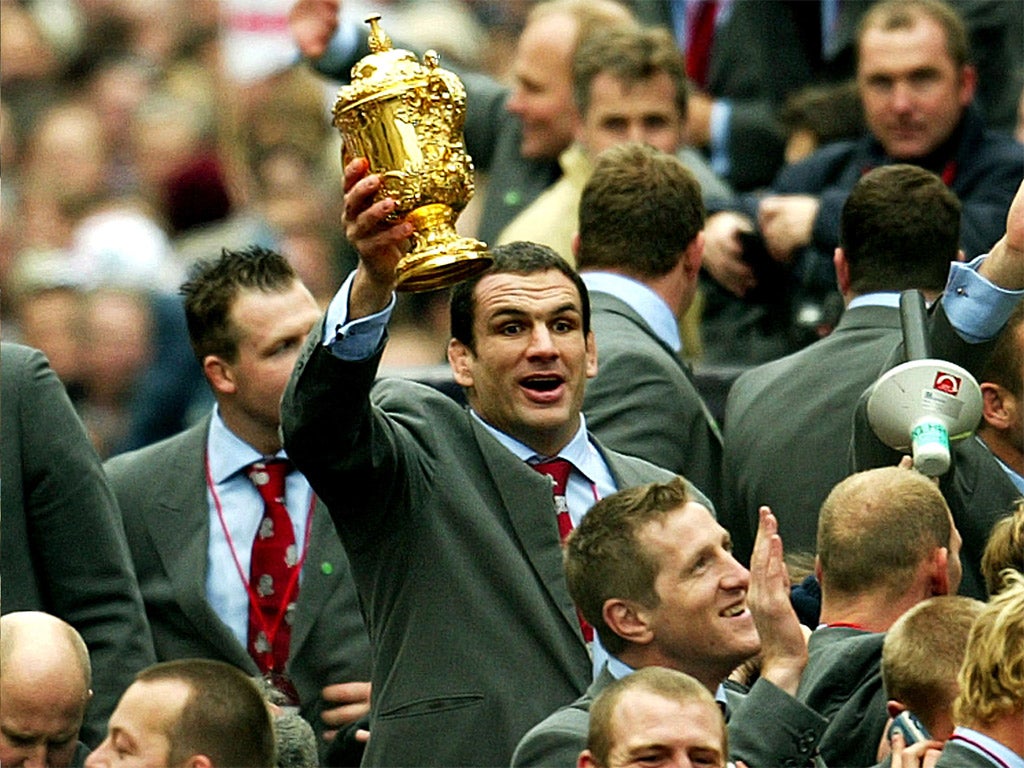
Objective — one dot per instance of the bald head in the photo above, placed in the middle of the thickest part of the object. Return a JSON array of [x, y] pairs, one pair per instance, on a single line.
[[44, 688], [878, 528]]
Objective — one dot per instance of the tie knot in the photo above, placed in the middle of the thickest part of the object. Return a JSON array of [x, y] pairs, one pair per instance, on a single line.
[[268, 477], [558, 470]]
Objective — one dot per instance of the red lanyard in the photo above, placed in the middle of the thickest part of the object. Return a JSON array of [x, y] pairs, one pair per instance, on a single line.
[[286, 597]]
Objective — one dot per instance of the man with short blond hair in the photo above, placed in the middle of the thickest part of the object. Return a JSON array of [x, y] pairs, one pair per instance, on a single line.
[[659, 712], [989, 710]]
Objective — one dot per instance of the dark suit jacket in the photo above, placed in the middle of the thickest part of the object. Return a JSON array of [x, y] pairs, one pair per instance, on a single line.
[[843, 682], [765, 50], [162, 492], [456, 555], [766, 727], [64, 549], [643, 402], [979, 493]]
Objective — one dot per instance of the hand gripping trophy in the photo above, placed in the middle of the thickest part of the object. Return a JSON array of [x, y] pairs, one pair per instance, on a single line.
[[406, 119]]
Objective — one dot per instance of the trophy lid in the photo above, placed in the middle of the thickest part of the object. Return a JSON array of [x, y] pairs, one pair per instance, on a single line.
[[384, 71]]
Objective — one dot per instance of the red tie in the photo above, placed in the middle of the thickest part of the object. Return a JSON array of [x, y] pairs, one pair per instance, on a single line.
[[273, 573], [558, 470], [702, 34]]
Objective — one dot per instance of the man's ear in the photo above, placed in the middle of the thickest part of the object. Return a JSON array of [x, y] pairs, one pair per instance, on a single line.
[[220, 374], [842, 267], [591, 354], [994, 405], [939, 575], [693, 256], [199, 761], [628, 621], [460, 358], [894, 708], [586, 760]]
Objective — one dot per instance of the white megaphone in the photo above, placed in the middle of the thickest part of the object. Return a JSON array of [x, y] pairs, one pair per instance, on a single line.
[[923, 404]]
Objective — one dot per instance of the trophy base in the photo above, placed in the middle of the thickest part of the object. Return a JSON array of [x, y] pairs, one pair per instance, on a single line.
[[440, 257]]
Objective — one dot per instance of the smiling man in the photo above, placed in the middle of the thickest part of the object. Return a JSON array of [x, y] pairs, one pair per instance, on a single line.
[[653, 572], [454, 540]]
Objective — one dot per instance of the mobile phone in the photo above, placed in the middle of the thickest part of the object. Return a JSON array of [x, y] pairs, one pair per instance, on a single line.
[[913, 731]]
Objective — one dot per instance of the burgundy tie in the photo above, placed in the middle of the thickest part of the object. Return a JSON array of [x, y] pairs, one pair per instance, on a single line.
[[273, 573], [558, 470], [702, 34]]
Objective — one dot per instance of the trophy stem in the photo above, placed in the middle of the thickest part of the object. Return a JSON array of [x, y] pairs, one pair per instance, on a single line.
[[440, 257]]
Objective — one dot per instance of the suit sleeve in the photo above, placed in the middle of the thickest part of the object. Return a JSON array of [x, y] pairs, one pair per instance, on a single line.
[[554, 743], [77, 540], [770, 727]]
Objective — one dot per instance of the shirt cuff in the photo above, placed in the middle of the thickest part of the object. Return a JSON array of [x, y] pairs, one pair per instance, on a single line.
[[356, 339], [976, 307], [721, 113]]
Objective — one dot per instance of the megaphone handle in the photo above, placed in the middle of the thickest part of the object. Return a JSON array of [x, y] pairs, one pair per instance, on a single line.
[[913, 318]]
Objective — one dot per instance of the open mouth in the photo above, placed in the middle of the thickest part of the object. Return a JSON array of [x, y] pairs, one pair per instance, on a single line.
[[736, 610], [541, 383]]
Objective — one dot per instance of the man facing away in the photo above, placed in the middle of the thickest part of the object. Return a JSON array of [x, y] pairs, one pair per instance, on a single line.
[[438, 507], [201, 528], [886, 542], [639, 252]]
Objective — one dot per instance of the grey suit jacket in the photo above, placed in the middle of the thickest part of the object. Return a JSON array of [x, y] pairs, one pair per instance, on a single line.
[[456, 555], [643, 401], [162, 492], [789, 423], [766, 727], [843, 682], [64, 549], [956, 755], [788, 426]]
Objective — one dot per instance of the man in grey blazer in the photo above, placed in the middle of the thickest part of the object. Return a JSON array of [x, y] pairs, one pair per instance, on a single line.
[[191, 513], [453, 538], [788, 423], [639, 252], [651, 570], [64, 549]]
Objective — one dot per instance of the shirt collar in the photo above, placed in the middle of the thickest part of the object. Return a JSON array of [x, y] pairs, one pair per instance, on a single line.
[[641, 299], [227, 452], [580, 451], [876, 299], [979, 742]]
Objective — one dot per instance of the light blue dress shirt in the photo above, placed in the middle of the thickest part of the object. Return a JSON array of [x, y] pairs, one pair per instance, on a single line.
[[243, 509], [649, 305]]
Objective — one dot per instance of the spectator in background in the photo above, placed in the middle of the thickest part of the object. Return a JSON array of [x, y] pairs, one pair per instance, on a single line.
[[917, 88], [628, 85], [45, 685]]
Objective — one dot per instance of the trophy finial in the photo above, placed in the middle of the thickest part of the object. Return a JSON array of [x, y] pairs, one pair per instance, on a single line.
[[379, 41], [431, 59]]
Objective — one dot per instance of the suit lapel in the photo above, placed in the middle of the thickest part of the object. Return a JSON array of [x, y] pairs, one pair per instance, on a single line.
[[527, 503], [178, 526], [325, 565]]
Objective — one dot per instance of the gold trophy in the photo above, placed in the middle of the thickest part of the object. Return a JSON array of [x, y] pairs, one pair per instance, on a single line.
[[406, 119]]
